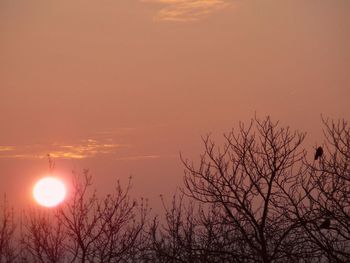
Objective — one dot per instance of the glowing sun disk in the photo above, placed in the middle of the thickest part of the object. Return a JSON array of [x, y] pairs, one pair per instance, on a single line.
[[49, 191]]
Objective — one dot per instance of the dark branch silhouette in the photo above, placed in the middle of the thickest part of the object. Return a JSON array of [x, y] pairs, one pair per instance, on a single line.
[[318, 153], [325, 224]]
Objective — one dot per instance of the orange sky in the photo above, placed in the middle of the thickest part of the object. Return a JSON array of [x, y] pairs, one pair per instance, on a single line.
[[122, 86]]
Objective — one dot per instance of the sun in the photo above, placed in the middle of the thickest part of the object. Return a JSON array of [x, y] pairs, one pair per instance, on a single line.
[[49, 191]]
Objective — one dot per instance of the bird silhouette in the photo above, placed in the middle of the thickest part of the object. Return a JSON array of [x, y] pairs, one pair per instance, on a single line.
[[319, 153], [325, 224]]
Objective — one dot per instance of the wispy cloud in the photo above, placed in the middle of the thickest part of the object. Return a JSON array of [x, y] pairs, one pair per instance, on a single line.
[[6, 148], [83, 149], [188, 10]]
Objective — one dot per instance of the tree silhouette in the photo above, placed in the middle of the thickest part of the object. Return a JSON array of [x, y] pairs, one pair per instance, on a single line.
[[258, 198], [328, 191], [8, 247], [252, 181], [42, 237], [86, 228], [191, 233]]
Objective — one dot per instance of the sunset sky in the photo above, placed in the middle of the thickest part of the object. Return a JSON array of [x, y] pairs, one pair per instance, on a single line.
[[121, 87]]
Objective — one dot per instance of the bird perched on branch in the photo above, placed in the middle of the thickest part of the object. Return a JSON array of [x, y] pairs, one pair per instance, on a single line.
[[325, 224], [319, 153]]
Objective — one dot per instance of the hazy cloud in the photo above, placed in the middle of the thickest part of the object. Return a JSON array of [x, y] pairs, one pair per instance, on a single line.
[[187, 10], [6, 148], [83, 149]]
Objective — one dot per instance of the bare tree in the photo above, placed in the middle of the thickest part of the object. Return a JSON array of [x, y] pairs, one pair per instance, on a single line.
[[191, 233], [252, 181], [174, 239], [42, 237], [86, 228], [329, 194], [8, 248]]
